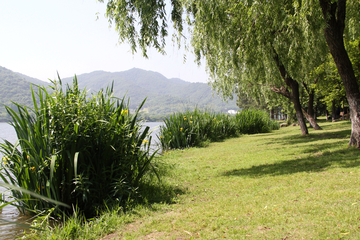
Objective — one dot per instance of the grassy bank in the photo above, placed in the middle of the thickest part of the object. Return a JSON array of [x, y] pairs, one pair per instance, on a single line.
[[276, 185]]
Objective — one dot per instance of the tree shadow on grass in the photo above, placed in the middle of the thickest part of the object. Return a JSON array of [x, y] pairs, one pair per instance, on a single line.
[[154, 191], [313, 137], [316, 141], [160, 193], [319, 155], [315, 163]]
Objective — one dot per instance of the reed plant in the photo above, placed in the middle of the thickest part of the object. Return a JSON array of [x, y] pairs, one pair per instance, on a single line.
[[80, 150], [192, 128], [252, 121]]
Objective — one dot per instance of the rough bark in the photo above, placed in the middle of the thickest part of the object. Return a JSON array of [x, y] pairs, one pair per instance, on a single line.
[[334, 15]]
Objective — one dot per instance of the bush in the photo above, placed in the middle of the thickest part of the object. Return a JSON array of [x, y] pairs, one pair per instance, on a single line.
[[255, 121], [191, 128], [81, 151]]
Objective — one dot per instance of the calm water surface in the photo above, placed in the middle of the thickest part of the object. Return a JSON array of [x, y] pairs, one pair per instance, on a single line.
[[10, 231], [10, 213]]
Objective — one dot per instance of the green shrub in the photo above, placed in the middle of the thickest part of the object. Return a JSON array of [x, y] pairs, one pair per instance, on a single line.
[[274, 125], [79, 150], [191, 128], [255, 121]]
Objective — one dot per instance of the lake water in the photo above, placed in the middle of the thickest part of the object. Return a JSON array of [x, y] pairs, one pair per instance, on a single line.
[[9, 213]]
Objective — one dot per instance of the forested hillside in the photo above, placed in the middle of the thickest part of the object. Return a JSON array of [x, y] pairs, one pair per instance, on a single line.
[[164, 96], [14, 88]]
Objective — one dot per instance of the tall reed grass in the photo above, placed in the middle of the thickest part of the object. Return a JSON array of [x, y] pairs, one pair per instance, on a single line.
[[255, 121], [192, 128], [79, 150]]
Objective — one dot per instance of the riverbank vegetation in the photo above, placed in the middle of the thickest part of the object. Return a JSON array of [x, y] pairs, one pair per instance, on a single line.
[[194, 128], [91, 153], [270, 186], [84, 151]]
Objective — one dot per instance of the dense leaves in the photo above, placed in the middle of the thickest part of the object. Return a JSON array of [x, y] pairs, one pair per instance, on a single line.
[[275, 44], [193, 128], [81, 151]]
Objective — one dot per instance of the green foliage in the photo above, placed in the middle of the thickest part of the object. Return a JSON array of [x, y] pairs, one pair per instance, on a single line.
[[192, 128], [262, 186], [255, 121], [275, 44], [77, 150], [329, 86], [149, 16]]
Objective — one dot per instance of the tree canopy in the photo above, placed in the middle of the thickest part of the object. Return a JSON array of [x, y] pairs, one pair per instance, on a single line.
[[246, 43]]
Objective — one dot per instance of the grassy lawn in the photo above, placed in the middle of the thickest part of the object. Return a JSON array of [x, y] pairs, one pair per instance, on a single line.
[[279, 185]]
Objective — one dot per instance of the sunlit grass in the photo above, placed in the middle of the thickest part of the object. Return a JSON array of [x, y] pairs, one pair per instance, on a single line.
[[278, 185]]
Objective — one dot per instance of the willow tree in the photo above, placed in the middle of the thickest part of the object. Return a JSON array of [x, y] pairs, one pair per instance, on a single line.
[[275, 42], [334, 15], [255, 43]]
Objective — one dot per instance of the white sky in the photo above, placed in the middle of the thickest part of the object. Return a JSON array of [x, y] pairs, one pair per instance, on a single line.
[[40, 37]]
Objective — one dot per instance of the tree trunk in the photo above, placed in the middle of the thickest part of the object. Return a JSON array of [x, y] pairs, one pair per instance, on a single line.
[[294, 96], [333, 109], [310, 110], [334, 15], [316, 109], [296, 101], [327, 115], [311, 120]]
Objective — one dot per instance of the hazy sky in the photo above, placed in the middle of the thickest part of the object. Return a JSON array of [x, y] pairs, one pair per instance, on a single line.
[[41, 37]]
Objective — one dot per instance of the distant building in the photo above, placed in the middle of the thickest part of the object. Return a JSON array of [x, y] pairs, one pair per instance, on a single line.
[[233, 112]]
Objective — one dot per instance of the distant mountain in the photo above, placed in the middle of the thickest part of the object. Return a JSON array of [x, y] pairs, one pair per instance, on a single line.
[[164, 96], [15, 87], [33, 80]]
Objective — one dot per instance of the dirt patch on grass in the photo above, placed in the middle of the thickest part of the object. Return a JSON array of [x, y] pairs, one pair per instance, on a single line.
[[129, 228], [318, 154], [135, 226]]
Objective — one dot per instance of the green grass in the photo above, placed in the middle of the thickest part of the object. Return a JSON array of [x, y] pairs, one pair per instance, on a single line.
[[277, 185]]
